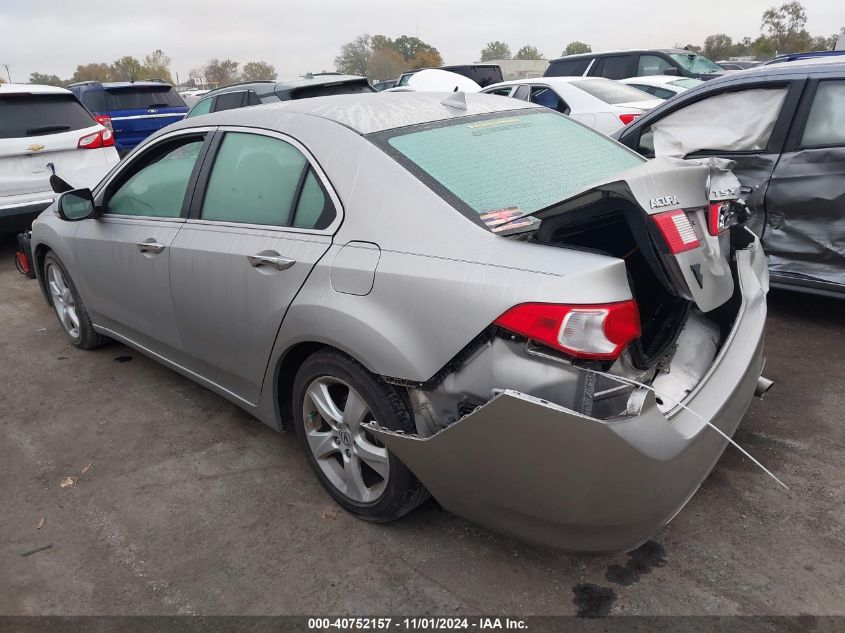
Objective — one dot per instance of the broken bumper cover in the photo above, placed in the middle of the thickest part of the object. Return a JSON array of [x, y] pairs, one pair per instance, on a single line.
[[548, 475]]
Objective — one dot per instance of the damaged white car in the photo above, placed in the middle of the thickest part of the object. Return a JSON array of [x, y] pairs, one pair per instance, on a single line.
[[459, 295]]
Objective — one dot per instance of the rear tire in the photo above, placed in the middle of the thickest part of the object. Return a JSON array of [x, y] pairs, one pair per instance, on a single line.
[[333, 396], [71, 312]]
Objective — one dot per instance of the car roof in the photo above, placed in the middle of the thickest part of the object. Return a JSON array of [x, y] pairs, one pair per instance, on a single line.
[[799, 66], [318, 80], [652, 80], [363, 113], [122, 84], [547, 80], [36, 89], [624, 51]]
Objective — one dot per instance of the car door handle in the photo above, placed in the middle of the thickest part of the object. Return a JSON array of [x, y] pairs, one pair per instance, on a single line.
[[150, 246], [278, 262]]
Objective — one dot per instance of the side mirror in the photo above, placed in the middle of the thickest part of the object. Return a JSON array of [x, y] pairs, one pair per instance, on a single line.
[[76, 205], [671, 71]]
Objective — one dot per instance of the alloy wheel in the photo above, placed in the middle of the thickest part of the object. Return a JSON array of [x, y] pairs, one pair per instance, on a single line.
[[63, 300], [350, 457]]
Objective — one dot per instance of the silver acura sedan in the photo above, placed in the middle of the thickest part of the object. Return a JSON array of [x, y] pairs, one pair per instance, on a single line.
[[461, 295]]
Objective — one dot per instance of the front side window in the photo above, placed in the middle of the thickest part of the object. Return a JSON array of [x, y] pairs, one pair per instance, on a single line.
[[696, 63], [157, 187], [652, 65], [826, 121], [514, 164], [256, 179]]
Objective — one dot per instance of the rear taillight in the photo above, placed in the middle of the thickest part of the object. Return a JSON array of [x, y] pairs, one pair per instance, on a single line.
[[597, 332], [720, 217], [628, 118], [101, 138], [677, 230], [105, 121]]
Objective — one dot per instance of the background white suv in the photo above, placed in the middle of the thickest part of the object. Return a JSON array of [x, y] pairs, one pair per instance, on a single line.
[[45, 130]]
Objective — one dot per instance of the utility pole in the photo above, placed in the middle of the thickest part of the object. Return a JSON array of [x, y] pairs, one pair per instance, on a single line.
[[8, 74]]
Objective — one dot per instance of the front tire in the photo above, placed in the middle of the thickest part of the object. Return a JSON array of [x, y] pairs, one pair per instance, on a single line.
[[68, 305], [333, 397]]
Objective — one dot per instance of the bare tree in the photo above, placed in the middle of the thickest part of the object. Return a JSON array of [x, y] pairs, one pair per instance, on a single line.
[[254, 71], [354, 56], [221, 73]]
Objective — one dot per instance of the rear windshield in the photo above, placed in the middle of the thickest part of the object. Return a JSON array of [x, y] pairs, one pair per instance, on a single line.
[[331, 89], [39, 115], [513, 164], [611, 91], [687, 82], [142, 98]]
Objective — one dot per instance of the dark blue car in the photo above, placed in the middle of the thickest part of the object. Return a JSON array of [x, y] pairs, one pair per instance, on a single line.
[[133, 110]]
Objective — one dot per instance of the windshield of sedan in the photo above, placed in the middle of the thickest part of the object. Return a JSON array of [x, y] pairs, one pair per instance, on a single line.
[[696, 63], [611, 92], [500, 168], [687, 82]]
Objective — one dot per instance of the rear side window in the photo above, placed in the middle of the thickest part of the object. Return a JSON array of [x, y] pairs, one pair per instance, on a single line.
[[613, 67], [511, 164], [611, 91], [826, 121], [259, 179], [39, 115], [94, 100], [142, 98], [545, 96], [568, 68], [229, 101]]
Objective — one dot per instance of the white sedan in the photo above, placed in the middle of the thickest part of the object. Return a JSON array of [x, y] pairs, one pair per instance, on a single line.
[[602, 104], [662, 86]]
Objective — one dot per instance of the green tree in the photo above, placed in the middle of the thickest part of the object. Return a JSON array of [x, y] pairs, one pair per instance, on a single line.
[[221, 73], [157, 66], [575, 48], [529, 52], [256, 71], [411, 47], [784, 25], [127, 68], [91, 72], [385, 63], [719, 46], [822, 43], [495, 50], [354, 56], [382, 41], [46, 80]]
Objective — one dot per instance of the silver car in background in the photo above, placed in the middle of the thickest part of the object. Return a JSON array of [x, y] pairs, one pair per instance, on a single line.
[[460, 295]]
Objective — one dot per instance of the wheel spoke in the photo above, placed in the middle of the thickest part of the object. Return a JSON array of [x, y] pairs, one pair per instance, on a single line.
[[374, 456], [319, 394], [55, 291], [355, 486], [322, 443], [74, 318], [354, 410]]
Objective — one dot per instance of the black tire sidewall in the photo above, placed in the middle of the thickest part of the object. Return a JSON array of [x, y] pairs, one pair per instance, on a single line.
[[88, 338], [402, 492]]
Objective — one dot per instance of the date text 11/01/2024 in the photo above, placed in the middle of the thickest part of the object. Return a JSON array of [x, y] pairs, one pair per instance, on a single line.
[[416, 624]]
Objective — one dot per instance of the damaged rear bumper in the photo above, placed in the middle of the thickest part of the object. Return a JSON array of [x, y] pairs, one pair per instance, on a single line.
[[546, 474]]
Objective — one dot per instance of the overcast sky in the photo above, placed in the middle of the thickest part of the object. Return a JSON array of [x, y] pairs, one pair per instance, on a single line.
[[53, 36]]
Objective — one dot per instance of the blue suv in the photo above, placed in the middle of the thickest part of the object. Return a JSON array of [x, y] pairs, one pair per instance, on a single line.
[[133, 110]]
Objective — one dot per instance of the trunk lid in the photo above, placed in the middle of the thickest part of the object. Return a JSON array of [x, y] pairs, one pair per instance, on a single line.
[[25, 162], [701, 274]]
